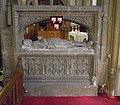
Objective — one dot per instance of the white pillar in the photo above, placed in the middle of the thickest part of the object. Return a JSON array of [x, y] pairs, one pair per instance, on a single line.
[[51, 2], [94, 2]]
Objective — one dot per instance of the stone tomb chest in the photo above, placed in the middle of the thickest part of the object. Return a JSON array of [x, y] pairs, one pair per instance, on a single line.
[[61, 68]]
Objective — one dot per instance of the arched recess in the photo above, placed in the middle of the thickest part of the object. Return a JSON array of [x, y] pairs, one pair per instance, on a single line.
[[33, 20], [43, 27], [77, 20]]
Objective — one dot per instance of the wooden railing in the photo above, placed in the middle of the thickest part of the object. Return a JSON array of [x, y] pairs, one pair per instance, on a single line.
[[13, 92]]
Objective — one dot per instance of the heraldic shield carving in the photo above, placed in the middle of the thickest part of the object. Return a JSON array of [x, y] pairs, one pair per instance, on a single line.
[[56, 22]]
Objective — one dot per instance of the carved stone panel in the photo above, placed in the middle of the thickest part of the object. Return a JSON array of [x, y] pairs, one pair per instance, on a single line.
[[33, 65], [79, 66], [52, 70], [56, 66]]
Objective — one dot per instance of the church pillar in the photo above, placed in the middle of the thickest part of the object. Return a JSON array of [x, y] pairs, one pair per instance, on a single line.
[[36, 2], [79, 2], [118, 87], [87, 2], [23, 2], [113, 73], [51, 2], [9, 13], [71, 2], [94, 2]]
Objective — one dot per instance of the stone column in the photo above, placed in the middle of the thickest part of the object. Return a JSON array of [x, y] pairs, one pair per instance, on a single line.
[[3, 12], [71, 2], [9, 13], [94, 2], [79, 2], [87, 2], [113, 76], [118, 87], [36, 2], [51, 2], [16, 31], [23, 2]]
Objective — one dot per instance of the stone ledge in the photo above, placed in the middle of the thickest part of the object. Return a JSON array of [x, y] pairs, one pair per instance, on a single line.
[[62, 91]]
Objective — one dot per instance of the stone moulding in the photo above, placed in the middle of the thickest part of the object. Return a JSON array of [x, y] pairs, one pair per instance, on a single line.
[[55, 8]]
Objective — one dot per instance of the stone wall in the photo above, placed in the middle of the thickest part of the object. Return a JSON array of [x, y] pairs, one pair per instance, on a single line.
[[8, 50]]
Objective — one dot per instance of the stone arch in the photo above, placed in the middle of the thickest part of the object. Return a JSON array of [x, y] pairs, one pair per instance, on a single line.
[[85, 21], [24, 22]]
